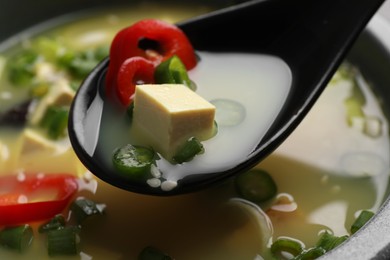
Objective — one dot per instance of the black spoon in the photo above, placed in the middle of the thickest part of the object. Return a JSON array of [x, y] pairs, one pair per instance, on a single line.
[[312, 37]]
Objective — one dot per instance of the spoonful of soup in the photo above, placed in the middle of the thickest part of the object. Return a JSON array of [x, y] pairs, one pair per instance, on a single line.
[[175, 109]]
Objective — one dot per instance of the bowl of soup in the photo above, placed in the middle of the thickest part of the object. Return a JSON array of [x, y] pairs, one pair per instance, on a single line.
[[331, 173]]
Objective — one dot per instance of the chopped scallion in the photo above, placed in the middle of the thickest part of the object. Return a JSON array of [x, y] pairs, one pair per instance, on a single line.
[[256, 185], [130, 110], [190, 149], [57, 222], [172, 71], [329, 241], [40, 89], [361, 220], [83, 208], [134, 162], [151, 253], [22, 68], [62, 241], [284, 244], [55, 121], [312, 253], [17, 238]]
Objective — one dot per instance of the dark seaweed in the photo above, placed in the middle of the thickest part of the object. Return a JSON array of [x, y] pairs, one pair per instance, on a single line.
[[16, 116]]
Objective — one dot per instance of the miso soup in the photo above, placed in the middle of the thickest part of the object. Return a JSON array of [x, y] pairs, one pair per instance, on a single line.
[[330, 169]]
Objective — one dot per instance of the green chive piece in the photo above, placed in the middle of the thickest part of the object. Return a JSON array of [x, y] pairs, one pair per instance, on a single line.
[[190, 149], [329, 241], [151, 253], [17, 238], [354, 110], [83, 208], [63, 241], [130, 110], [55, 120], [57, 222], [22, 68], [80, 64], [48, 47], [75, 84], [284, 244], [40, 89], [256, 185], [312, 253], [172, 71], [133, 161], [361, 220]]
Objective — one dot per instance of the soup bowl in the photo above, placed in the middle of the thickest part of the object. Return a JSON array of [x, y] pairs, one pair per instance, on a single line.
[[370, 56]]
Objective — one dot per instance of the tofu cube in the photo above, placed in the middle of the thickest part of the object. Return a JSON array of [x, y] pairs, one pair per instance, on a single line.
[[33, 142], [167, 115]]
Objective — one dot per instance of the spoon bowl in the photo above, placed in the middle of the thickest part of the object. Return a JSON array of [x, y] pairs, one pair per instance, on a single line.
[[311, 37]]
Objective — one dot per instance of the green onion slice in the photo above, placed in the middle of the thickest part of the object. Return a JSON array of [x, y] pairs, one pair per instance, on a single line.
[[329, 241], [172, 71], [190, 149], [312, 253], [17, 238], [256, 185], [55, 121], [83, 208], [62, 241], [152, 253], [57, 222], [289, 245], [134, 162], [361, 220]]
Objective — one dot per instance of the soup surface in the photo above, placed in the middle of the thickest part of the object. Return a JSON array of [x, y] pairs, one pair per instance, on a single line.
[[330, 169]]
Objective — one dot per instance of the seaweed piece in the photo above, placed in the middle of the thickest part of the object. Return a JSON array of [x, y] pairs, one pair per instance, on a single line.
[[17, 115]]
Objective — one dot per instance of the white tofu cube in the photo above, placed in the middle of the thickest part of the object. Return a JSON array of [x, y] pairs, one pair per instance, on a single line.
[[33, 142], [167, 115]]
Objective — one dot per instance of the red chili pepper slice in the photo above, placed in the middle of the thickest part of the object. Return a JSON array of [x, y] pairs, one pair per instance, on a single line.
[[21, 199], [169, 38], [133, 71]]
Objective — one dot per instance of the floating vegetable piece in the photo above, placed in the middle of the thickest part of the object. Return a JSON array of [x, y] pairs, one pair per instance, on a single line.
[[189, 150], [22, 68], [80, 64], [361, 220], [133, 71], [130, 110], [63, 241], [285, 244], [134, 162], [256, 185], [57, 222], [329, 241], [16, 116], [310, 254], [172, 71], [83, 208], [18, 238], [152, 253], [55, 121], [13, 212], [152, 39]]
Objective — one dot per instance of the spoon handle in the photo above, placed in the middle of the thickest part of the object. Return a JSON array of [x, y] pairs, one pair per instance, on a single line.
[[273, 25]]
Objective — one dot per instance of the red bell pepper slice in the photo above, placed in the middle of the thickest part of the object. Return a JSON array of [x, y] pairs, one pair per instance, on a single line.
[[21, 199], [133, 71], [169, 38]]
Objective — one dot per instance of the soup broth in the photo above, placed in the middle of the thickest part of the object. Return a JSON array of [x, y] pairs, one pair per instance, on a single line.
[[332, 167]]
